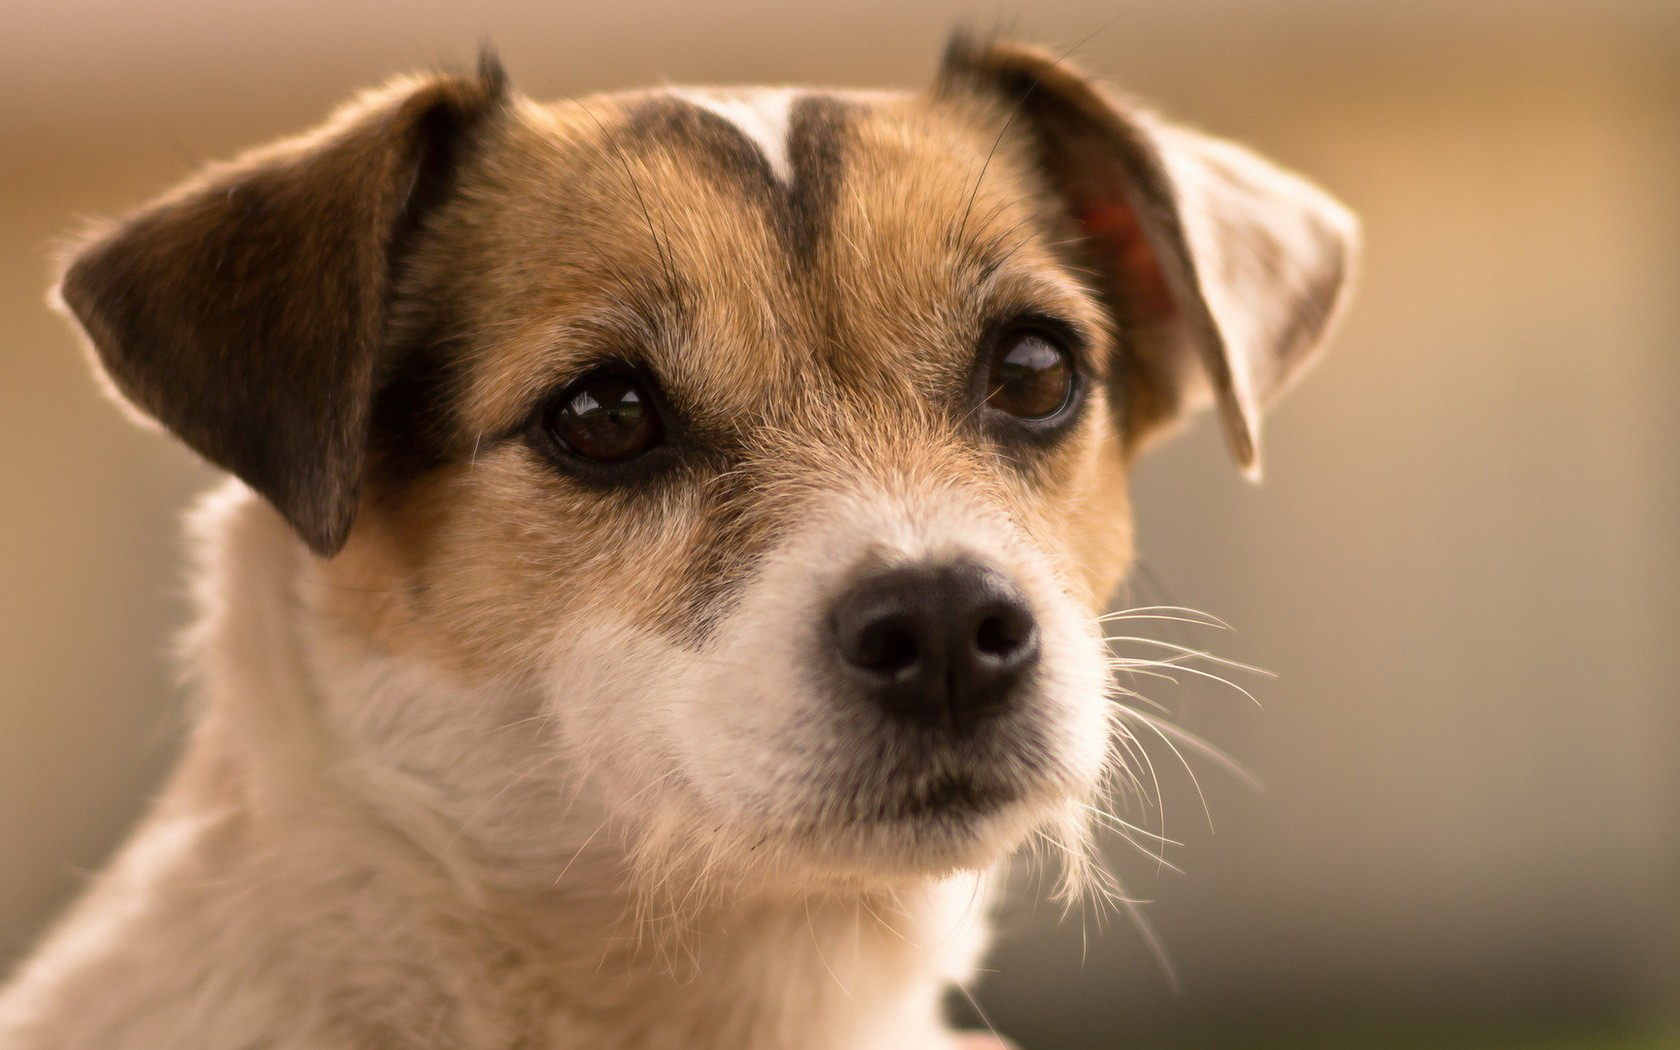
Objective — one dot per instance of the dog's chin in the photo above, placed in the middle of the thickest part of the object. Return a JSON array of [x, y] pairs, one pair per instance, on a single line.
[[927, 830]]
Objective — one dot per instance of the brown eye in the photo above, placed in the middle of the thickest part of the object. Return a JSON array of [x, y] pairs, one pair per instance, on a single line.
[[1031, 377], [606, 418]]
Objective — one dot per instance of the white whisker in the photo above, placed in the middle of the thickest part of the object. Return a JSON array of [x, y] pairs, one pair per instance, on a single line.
[[1188, 653], [1204, 618]]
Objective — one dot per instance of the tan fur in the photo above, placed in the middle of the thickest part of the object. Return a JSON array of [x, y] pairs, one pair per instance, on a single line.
[[525, 762]]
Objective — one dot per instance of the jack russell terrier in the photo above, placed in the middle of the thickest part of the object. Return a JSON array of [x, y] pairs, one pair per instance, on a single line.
[[662, 567]]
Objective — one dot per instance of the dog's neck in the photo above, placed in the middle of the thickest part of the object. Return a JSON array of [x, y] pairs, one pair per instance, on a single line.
[[355, 914]]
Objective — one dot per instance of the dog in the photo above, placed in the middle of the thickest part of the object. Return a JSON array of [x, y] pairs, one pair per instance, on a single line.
[[660, 571]]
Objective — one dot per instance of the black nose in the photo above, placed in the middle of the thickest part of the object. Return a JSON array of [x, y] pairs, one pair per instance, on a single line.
[[943, 645]]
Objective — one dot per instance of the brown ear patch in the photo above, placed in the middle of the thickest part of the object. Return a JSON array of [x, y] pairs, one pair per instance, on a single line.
[[246, 310]]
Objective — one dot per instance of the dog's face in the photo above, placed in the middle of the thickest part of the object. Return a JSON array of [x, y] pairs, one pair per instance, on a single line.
[[774, 442]]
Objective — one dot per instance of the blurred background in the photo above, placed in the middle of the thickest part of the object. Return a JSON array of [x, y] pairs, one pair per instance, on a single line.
[[1463, 566]]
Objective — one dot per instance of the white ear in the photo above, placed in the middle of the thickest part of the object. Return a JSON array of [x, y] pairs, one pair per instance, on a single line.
[[1272, 256], [1224, 272]]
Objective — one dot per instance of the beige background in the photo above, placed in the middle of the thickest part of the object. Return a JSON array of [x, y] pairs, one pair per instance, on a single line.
[[1463, 566]]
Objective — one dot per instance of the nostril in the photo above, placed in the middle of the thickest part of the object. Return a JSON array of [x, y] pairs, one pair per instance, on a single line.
[[1004, 634], [886, 646]]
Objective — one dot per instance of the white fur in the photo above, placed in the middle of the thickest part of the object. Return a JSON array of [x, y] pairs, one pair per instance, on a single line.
[[358, 852], [761, 114], [1264, 239]]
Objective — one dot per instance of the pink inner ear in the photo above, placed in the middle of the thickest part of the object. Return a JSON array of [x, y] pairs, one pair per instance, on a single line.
[[1116, 224]]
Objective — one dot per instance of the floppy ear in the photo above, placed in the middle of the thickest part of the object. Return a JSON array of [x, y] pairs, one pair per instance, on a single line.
[[1223, 271], [245, 311]]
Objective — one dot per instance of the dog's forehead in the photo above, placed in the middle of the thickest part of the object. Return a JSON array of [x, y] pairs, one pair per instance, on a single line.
[[762, 116], [743, 239]]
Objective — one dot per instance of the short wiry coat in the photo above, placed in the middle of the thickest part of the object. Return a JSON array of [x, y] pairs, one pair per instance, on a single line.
[[493, 754]]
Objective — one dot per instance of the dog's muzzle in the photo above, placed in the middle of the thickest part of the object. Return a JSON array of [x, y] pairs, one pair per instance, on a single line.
[[942, 646]]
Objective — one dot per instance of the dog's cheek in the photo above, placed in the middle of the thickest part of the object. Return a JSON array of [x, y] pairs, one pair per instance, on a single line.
[[1082, 520], [1101, 541], [757, 730], [481, 567], [533, 715], [750, 723]]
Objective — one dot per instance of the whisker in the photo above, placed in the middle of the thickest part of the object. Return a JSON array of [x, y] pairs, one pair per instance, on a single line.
[[1177, 664], [816, 944], [1185, 610], [1193, 653], [656, 782], [1202, 747], [1161, 617], [1105, 815]]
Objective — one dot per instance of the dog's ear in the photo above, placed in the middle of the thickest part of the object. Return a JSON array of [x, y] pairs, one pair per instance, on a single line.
[[1224, 271], [245, 311]]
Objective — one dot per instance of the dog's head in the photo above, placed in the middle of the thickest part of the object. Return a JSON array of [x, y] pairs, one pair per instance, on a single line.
[[776, 441]]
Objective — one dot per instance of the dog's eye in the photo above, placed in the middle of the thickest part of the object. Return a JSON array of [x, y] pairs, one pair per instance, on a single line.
[[1031, 376], [605, 418]]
